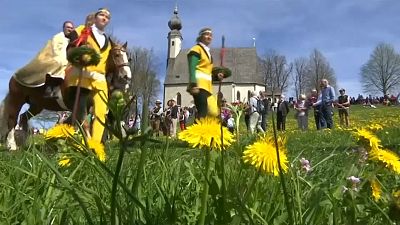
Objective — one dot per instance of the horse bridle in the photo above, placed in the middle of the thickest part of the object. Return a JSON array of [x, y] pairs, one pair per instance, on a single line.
[[125, 80], [117, 66]]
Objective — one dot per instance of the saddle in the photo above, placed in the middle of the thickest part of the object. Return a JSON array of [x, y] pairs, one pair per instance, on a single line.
[[53, 81]]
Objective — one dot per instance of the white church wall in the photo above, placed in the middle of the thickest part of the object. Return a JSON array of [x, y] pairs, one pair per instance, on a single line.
[[229, 92], [243, 89], [172, 91]]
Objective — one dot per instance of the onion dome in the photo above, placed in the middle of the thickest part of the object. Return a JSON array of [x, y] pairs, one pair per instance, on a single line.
[[175, 23]]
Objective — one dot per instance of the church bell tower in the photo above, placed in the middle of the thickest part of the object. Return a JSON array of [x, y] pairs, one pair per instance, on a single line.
[[174, 36]]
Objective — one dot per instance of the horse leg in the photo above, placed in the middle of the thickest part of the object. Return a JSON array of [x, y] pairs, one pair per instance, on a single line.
[[12, 105], [24, 118], [14, 101], [4, 107], [12, 122]]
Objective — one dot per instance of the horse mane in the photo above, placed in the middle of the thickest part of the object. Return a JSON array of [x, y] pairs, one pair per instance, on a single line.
[[110, 67]]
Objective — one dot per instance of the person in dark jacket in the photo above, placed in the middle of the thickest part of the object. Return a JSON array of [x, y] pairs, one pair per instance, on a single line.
[[281, 113]]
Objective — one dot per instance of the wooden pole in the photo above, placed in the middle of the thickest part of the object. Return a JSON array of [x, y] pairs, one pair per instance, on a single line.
[[77, 94]]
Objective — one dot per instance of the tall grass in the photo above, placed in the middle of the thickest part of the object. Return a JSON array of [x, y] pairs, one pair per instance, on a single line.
[[160, 182]]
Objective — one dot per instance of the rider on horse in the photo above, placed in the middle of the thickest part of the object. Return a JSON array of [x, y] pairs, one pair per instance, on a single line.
[[91, 80], [51, 60], [27, 84]]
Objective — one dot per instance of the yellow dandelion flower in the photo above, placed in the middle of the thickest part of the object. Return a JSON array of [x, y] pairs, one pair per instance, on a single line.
[[374, 141], [64, 161], [375, 127], [98, 149], [205, 130], [376, 190], [60, 131], [389, 158], [263, 153]]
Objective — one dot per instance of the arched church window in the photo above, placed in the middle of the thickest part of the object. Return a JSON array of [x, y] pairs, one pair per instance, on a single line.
[[178, 98]]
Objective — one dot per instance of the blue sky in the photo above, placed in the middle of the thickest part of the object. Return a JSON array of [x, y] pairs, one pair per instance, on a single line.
[[345, 31]]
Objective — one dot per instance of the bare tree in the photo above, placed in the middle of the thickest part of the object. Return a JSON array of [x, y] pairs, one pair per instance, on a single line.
[[301, 71], [319, 68], [382, 71], [276, 71], [145, 84], [266, 68]]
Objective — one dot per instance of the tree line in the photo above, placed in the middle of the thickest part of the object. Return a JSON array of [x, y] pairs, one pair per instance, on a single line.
[[304, 74], [379, 75]]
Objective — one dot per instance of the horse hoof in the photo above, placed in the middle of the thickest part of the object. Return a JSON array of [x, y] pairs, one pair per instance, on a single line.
[[12, 147]]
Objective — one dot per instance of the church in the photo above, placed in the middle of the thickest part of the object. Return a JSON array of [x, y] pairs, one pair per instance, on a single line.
[[243, 62]]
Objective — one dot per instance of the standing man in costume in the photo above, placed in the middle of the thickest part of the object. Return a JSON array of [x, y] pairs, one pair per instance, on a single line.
[[155, 117], [93, 81], [200, 75]]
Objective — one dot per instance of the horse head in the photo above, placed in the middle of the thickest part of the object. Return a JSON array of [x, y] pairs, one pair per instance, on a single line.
[[118, 66]]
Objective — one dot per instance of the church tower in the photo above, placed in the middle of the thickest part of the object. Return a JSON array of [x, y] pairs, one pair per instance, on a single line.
[[174, 36]]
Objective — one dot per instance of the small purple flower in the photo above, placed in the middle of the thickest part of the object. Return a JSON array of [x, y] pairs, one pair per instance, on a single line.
[[354, 181], [305, 164]]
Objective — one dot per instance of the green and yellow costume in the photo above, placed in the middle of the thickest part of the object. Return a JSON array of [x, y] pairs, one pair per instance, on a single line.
[[200, 71]]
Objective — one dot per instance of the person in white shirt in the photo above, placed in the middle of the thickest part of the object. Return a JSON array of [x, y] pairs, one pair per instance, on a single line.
[[254, 114], [301, 108]]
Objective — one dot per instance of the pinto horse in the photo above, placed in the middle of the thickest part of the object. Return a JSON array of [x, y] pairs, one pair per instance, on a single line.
[[118, 76]]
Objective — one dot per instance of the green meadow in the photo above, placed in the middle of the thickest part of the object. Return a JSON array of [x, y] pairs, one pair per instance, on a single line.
[[166, 181]]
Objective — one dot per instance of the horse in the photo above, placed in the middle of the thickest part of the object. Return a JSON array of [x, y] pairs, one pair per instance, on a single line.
[[118, 75]]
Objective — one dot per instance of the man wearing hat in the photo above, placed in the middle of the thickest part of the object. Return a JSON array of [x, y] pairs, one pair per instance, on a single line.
[[200, 75], [155, 117], [343, 107], [93, 81]]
